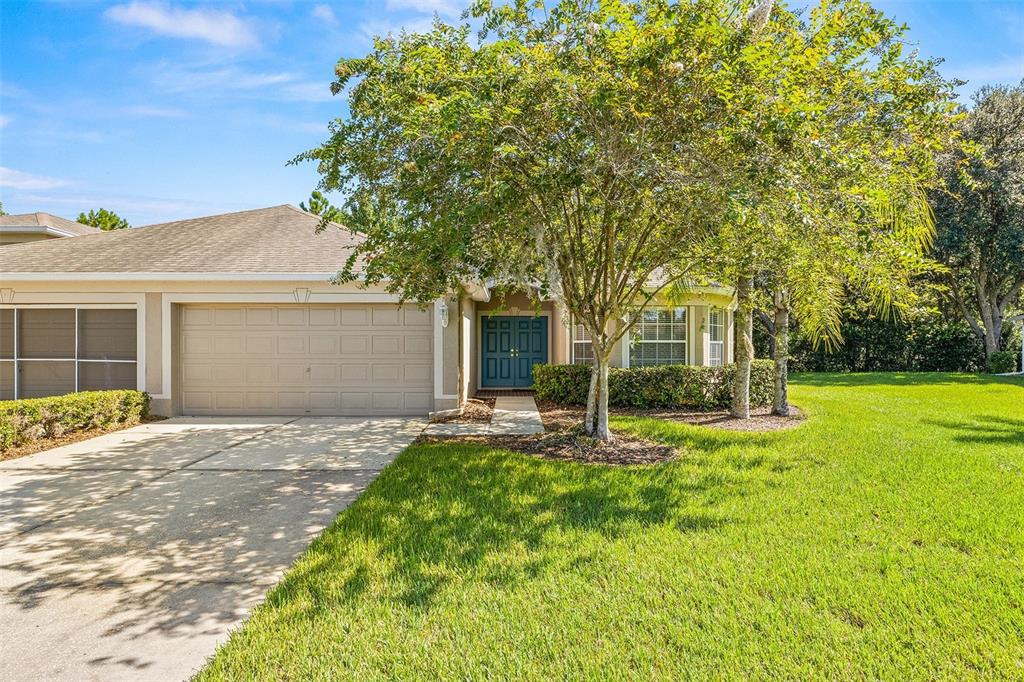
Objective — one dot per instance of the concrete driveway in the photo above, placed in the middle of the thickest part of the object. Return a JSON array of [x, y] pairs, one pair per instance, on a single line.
[[131, 555]]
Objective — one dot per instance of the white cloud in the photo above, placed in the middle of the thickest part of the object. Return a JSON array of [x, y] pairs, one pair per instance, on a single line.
[[15, 179], [4, 121], [325, 14], [442, 7], [213, 26], [173, 78]]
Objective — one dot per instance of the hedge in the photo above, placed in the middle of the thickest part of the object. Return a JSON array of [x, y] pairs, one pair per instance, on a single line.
[[23, 421], [1002, 362], [663, 386]]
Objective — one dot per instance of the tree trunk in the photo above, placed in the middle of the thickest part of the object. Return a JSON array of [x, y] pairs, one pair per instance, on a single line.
[[590, 421], [744, 333], [597, 400], [993, 333], [780, 405], [601, 431], [769, 326]]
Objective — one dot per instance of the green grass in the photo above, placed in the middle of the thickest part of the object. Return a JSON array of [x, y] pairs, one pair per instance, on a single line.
[[883, 539]]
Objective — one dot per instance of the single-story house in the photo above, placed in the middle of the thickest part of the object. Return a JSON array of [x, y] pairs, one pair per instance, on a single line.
[[32, 227], [235, 314]]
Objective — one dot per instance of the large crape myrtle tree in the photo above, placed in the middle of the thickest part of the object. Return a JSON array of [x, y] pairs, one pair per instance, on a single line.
[[581, 152]]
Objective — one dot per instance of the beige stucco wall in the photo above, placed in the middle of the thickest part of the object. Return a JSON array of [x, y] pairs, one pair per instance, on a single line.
[[450, 354]]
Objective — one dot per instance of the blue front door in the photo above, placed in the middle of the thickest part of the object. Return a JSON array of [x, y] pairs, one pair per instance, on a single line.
[[512, 345]]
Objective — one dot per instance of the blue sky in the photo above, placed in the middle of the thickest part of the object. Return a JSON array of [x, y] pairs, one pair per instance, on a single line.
[[161, 110]]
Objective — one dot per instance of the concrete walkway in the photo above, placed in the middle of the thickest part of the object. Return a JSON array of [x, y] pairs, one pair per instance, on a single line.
[[516, 416], [130, 556]]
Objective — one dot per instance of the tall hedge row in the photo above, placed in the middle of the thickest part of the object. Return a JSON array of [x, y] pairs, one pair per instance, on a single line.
[[23, 421], [663, 386]]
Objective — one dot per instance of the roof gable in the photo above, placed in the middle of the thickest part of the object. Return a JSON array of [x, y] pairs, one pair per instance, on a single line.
[[41, 221]]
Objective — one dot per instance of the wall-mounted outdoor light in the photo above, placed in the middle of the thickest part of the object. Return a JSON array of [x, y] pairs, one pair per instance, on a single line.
[[442, 308]]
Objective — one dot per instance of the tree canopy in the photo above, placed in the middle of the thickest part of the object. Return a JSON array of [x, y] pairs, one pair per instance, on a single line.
[[596, 153], [104, 220], [321, 206], [981, 215]]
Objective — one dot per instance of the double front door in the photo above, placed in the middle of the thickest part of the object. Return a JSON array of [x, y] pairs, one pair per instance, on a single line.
[[512, 345]]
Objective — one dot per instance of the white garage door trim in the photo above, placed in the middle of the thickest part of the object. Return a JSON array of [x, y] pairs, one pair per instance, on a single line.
[[305, 359]]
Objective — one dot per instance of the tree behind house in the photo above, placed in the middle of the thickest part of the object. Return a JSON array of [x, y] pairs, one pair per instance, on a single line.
[[104, 220], [981, 216], [321, 206]]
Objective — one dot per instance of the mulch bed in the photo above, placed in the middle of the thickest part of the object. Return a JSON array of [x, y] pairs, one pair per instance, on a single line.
[[476, 411], [565, 440], [32, 447]]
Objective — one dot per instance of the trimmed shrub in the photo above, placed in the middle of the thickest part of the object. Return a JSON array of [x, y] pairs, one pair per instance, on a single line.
[[1002, 362], [663, 386], [22, 421]]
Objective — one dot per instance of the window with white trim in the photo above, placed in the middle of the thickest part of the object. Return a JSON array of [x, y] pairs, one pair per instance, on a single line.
[[659, 338], [582, 350], [52, 351], [716, 332]]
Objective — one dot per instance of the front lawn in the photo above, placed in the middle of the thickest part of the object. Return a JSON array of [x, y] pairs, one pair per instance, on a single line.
[[883, 538]]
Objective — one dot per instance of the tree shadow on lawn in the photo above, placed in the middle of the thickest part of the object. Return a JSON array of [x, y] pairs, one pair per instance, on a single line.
[[445, 514], [868, 379], [992, 430]]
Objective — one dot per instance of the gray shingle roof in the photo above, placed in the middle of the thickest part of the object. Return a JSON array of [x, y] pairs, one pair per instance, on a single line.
[[280, 239], [44, 220]]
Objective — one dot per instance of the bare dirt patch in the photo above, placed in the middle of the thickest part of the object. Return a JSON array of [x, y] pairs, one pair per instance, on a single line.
[[35, 446], [475, 411]]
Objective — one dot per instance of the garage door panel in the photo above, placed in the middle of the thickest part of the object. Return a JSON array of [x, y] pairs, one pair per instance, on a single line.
[[262, 401], [417, 374], [414, 317], [197, 317], [418, 345], [355, 374], [228, 317], [384, 316], [324, 375], [293, 400], [291, 317], [386, 345], [229, 400], [229, 375], [291, 345], [259, 317], [387, 374], [321, 317], [260, 345], [323, 345], [227, 345], [355, 345], [326, 360], [260, 373], [196, 400]]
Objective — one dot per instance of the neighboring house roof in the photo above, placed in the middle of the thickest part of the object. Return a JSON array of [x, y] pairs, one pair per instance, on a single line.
[[44, 223], [277, 241]]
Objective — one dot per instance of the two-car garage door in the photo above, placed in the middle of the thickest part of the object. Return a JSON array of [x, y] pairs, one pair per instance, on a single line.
[[359, 359]]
